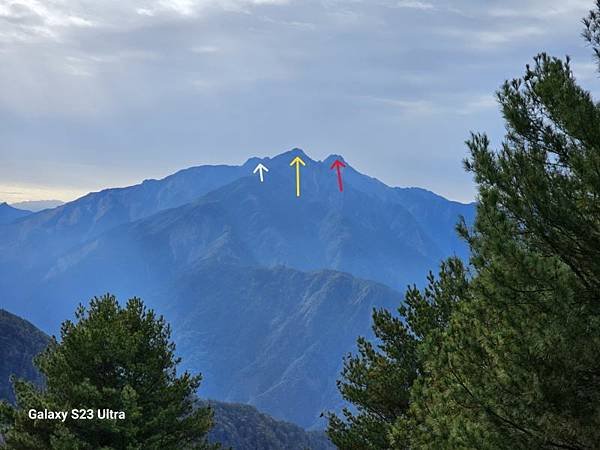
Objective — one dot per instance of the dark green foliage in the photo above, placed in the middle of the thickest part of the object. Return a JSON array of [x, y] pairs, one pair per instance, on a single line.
[[242, 427], [111, 357], [507, 357], [19, 343], [521, 362], [378, 380]]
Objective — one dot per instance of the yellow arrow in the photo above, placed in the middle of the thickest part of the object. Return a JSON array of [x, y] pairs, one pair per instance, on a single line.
[[297, 161]]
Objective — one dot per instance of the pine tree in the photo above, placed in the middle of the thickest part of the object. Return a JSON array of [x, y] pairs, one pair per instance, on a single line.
[[379, 379], [111, 357], [519, 365], [516, 362]]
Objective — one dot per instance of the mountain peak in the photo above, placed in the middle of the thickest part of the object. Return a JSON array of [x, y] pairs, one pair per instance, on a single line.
[[298, 151], [282, 158], [333, 158], [294, 153]]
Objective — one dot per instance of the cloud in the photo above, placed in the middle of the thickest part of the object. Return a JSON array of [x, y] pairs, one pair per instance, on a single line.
[[407, 106], [542, 9], [497, 24], [33, 20], [37, 20], [585, 71], [67, 57], [474, 104], [462, 103], [485, 38], [412, 4], [154, 85], [205, 49], [492, 36], [193, 8]]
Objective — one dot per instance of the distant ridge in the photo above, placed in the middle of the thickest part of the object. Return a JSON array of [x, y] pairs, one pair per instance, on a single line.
[[243, 427], [38, 205]]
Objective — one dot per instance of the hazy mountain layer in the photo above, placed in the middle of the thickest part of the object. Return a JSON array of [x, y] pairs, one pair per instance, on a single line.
[[38, 205], [266, 291], [43, 236], [281, 334]]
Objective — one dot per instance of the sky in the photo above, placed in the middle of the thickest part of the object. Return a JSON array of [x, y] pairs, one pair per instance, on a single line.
[[97, 94]]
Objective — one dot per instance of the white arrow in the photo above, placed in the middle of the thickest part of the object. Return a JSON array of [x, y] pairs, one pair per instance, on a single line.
[[260, 169]]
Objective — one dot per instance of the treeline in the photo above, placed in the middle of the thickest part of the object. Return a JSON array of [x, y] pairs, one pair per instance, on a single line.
[[502, 352]]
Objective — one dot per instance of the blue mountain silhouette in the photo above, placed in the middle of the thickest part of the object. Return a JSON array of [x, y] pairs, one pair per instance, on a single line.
[[266, 291], [9, 214]]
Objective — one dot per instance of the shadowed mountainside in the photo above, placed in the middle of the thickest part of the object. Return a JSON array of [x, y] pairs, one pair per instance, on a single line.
[[266, 292], [10, 214], [20, 341]]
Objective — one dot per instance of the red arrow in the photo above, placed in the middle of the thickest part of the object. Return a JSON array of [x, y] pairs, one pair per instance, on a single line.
[[338, 166]]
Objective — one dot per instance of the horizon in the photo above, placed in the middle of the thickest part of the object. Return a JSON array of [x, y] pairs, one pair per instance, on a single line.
[[262, 159]]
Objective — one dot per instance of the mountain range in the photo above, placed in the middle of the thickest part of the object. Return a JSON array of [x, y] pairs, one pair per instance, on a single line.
[[37, 205], [266, 291]]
